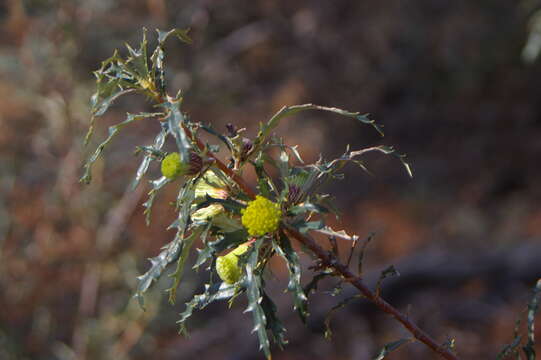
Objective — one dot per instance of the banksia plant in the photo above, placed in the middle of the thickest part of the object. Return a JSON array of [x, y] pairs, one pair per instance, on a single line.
[[237, 228]]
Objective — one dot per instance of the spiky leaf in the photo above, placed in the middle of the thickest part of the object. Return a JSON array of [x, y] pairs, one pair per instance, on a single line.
[[255, 297], [214, 292], [285, 250]]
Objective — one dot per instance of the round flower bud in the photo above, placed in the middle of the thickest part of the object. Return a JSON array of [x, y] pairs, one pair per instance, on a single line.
[[227, 266], [172, 166], [261, 216]]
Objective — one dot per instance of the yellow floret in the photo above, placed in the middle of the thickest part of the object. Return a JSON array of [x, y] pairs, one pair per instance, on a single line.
[[261, 216], [227, 266]]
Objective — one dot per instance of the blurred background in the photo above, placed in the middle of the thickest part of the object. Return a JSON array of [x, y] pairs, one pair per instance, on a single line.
[[450, 81]]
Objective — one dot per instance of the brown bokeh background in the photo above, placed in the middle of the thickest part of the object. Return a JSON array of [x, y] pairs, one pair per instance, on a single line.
[[445, 78]]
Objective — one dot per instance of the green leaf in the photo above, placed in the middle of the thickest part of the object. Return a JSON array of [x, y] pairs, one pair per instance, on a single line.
[[185, 199], [307, 207], [181, 34], [158, 264], [274, 325], [265, 184], [253, 285], [156, 185], [137, 61], [186, 245], [159, 141], [172, 250], [102, 106], [158, 56], [285, 250], [392, 346], [225, 241], [113, 131], [330, 168], [339, 234], [265, 129], [303, 226], [214, 292], [175, 119]]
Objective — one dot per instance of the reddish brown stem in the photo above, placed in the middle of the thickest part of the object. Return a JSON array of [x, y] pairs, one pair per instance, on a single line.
[[330, 261]]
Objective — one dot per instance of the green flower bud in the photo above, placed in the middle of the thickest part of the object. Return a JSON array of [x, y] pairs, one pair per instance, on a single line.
[[227, 266], [172, 167]]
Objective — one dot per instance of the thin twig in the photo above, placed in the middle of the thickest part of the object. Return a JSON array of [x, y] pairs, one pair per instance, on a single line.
[[329, 260]]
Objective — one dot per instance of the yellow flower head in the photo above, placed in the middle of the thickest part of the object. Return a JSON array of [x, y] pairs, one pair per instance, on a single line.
[[227, 266], [261, 216]]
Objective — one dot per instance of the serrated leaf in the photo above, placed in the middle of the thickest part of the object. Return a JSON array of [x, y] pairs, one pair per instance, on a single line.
[[112, 132], [286, 251], [274, 325], [392, 346], [159, 141], [156, 186], [181, 34], [185, 200], [225, 241], [252, 281], [186, 245], [175, 119], [137, 60], [265, 129], [158, 264], [158, 55], [330, 168], [172, 250], [339, 234], [214, 292]]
